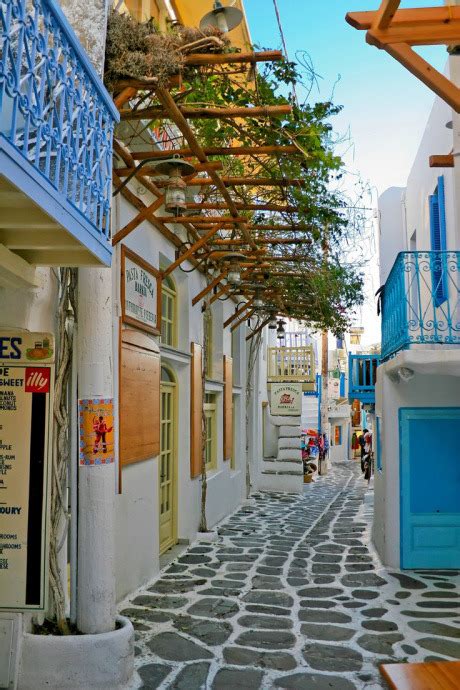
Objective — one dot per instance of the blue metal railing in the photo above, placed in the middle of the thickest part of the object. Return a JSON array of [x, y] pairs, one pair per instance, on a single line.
[[54, 109], [412, 310], [362, 376]]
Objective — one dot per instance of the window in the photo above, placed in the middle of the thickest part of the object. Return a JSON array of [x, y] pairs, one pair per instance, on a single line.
[[438, 242], [207, 325], [211, 431], [168, 312]]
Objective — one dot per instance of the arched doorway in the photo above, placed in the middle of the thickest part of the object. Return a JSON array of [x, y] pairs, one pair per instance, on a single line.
[[168, 460]]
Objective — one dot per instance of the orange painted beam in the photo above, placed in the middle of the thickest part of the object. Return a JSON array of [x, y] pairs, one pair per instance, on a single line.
[[442, 161]]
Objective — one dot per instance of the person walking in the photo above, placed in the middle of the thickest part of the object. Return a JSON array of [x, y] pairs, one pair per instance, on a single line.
[[362, 443]]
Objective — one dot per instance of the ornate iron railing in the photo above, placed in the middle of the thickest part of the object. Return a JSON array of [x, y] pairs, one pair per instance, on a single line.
[[291, 364], [362, 376], [420, 301], [54, 108]]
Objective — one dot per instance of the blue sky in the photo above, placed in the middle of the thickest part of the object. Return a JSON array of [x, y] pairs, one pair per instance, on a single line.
[[385, 107]]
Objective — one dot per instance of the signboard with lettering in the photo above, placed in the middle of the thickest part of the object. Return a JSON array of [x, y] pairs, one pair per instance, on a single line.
[[333, 385], [286, 399], [140, 292], [26, 393]]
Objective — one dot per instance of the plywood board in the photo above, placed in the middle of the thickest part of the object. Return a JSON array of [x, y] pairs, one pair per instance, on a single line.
[[196, 411], [139, 397], [228, 407]]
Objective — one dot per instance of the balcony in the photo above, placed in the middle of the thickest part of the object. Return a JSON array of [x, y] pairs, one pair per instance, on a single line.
[[292, 364], [362, 375], [420, 302], [56, 130]]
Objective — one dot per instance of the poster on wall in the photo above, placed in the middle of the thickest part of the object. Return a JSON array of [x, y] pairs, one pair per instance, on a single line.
[[97, 446], [26, 399], [333, 386], [286, 399], [140, 292]]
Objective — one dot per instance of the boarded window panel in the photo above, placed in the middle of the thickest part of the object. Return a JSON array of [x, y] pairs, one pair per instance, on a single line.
[[228, 407], [139, 398], [196, 411]]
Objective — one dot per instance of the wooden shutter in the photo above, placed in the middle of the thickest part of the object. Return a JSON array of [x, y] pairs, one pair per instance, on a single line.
[[139, 397], [196, 411], [228, 407]]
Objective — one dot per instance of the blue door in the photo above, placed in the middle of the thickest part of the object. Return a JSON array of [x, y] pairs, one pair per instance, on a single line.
[[430, 487]]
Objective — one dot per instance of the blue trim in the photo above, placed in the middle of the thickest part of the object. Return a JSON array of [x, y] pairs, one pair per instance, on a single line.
[[71, 36], [362, 377], [427, 414], [31, 182], [342, 384]]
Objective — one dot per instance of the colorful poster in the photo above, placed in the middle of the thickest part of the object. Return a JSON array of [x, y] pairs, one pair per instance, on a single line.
[[26, 399], [96, 431], [286, 399]]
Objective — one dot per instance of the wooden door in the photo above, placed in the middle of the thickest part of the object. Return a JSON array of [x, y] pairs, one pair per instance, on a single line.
[[430, 488], [167, 464]]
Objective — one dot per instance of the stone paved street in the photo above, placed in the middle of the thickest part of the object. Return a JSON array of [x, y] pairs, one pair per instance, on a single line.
[[291, 596]]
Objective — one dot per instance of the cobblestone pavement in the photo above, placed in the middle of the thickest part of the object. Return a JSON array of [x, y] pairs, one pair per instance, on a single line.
[[292, 595]]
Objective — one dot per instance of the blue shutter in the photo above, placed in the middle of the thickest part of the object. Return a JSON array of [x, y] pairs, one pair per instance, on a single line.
[[438, 242]]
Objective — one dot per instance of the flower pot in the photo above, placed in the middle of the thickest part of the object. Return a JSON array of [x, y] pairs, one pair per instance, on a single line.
[[78, 662]]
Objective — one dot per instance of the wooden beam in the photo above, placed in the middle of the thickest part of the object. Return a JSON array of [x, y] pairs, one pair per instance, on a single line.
[[191, 250], [427, 74], [238, 312], [241, 319], [275, 240], [385, 14], [202, 220], [242, 207], [442, 161], [259, 328], [124, 96], [241, 182], [407, 18], [220, 151], [137, 220], [194, 112], [152, 172], [233, 58], [209, 287]]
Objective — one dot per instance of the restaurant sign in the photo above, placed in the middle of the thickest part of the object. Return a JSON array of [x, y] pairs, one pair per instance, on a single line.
[[140, 292], [286, 399], [26, 394]]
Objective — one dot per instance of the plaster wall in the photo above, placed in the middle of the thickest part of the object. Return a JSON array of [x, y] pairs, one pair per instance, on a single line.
[[433, 390], [392, 232], [137, 508]]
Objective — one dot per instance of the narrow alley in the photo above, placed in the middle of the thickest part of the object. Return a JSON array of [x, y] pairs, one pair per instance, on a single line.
[[292, 595]]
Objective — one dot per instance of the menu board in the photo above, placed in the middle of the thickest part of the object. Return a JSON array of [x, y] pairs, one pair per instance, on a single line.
[[26, 390], [140, 292], [286, 399]]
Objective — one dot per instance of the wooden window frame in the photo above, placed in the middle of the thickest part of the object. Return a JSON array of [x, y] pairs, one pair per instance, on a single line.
[[135, 258], [210, 412], [173, 295], [228, 408], [196, 410]]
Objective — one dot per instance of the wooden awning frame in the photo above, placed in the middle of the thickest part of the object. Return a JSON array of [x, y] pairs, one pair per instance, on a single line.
[[397, 30]]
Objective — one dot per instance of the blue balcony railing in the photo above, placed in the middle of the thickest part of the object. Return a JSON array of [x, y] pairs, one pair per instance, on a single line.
[[362, 376], [420, 301], [55, 111]]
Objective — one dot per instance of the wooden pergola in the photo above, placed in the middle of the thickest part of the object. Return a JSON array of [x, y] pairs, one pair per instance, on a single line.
[[227, 220], [398, 30]]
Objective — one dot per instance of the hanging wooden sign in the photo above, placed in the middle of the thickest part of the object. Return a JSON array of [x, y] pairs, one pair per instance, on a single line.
[[140, 292], [26, 403]]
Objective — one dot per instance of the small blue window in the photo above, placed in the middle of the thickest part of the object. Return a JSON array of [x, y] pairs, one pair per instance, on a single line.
[[378, 445], [438, 242]]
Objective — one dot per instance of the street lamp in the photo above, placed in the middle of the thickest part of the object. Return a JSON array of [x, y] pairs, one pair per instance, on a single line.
[[223, 18], [258, 302], [175, 169], [280, 330]]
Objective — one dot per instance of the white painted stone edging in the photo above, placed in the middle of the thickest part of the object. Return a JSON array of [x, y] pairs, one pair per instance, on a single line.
[[78, 662], [209, 537]]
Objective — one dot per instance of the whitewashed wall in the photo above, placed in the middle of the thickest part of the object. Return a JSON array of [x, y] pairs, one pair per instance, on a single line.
[[137, 508]]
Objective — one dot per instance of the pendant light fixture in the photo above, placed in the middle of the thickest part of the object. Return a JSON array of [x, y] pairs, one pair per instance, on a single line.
[[175, 169], [221, 17]]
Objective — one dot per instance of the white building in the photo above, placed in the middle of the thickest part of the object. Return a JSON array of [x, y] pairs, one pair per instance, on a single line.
[[417, 479]]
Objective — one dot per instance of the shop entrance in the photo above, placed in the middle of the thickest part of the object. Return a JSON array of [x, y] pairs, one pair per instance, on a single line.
[[430, 488], [168, 459]]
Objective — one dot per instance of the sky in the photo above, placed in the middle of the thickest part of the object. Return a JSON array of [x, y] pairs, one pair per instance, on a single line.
[[385, 108]]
